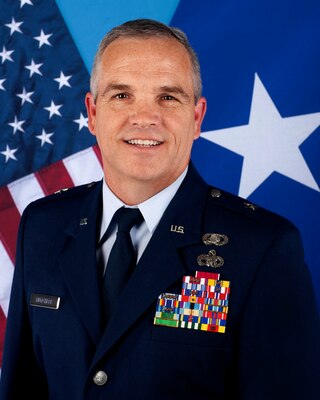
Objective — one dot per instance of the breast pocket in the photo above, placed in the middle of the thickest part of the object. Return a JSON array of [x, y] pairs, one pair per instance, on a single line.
[[192, 337]]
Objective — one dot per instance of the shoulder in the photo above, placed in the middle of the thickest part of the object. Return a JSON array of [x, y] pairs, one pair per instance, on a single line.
[[64, 196], [245, 210]]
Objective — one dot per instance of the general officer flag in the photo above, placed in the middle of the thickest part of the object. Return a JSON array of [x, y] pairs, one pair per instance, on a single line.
[[261, 138]]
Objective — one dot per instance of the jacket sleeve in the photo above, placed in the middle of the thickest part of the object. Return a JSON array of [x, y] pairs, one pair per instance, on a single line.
[[279, 355], [19, 362]]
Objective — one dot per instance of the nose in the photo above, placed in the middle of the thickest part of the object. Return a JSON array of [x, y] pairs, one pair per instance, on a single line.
[[144, 114]]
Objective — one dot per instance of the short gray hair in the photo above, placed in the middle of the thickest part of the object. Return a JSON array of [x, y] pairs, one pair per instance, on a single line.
[[146, 28]]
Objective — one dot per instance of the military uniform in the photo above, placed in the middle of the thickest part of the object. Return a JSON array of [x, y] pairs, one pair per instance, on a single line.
[[268, 347]]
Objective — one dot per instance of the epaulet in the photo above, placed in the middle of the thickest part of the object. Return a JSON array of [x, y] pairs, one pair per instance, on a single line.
[[74, 189], [65, 192], [245, 207]]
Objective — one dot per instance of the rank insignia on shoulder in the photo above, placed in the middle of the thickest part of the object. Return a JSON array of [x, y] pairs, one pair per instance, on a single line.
[[202, 305], [251, 206], [61, 190]]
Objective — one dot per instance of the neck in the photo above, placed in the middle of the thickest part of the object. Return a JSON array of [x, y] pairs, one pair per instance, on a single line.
[[133, 192]]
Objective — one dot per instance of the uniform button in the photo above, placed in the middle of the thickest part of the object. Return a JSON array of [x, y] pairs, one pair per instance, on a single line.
[[215, 193], [100, 378]]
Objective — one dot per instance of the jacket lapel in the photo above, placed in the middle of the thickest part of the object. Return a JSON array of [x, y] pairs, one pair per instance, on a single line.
[[162, 263], [79, 265]]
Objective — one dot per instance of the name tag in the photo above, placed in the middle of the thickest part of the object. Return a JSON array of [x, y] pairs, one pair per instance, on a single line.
[[45, 300]]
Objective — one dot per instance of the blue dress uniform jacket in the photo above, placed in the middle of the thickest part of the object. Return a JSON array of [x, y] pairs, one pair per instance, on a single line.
[[270, 349]]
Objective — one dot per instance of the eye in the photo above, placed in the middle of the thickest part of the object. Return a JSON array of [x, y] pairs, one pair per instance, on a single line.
[[121, 96], [168, 97]]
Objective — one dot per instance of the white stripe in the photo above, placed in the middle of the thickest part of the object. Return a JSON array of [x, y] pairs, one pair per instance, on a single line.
[[25, 190], [7, 269], [84, 167]]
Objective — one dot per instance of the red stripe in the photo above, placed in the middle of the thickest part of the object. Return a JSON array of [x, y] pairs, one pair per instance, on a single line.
[[3, 321], [9, 222], [98, 153], [54, 177]]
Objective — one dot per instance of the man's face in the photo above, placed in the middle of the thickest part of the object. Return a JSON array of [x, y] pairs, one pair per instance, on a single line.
[[144, 117]]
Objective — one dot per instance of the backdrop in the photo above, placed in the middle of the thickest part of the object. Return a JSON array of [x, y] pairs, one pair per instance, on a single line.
[[261, 138]]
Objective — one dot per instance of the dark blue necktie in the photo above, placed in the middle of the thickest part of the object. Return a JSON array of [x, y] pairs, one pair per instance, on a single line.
[[122, 258]]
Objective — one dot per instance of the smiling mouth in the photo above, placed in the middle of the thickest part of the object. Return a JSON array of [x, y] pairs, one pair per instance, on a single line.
[[144, 143]]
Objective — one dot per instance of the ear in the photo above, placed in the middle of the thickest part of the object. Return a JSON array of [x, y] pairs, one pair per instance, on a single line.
[[200, 111], [91, 111]]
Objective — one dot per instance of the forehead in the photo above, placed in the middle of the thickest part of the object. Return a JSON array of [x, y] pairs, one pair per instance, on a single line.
[[143, 55]]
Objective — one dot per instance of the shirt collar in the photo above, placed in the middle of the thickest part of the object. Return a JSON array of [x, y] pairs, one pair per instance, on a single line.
[[151, 209]]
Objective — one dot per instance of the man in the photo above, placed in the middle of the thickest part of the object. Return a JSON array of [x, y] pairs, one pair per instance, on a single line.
[[219, 305]]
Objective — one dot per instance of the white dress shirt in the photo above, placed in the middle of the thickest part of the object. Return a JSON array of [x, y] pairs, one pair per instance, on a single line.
[[151, 210]]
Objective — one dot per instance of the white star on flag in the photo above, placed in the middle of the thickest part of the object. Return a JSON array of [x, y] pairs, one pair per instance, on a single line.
[[6, 55], [34, 68], [45, 137], [63, 80], [16, 125], [82, 121], [9, 153], [23, 2], [1, 84], [269, 143], [53, 109], [14, 26], [43, 38], [25, 96]]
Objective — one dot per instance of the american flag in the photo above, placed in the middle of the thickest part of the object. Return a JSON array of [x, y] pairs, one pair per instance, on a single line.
[[45, 144]]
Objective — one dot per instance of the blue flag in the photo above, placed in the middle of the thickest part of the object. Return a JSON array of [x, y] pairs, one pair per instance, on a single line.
[[261, 138]]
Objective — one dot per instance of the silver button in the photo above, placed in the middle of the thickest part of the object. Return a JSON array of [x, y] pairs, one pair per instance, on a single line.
[[215, 193], [100, 378]]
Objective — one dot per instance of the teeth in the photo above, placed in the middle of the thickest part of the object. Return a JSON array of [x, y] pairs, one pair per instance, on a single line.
[[141, 142]]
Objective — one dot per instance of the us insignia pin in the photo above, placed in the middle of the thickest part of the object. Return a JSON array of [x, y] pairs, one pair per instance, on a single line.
[[177, 229]]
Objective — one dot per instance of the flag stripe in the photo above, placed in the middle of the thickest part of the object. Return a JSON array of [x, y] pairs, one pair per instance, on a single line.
[[9, 221], [25, 190], [54, 177], [84, 166], [98, 153], [2, 332], [6, 278]]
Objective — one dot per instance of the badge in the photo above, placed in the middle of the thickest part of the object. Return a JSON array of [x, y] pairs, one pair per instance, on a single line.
[[217, 239], [202, 305], [210, 260]]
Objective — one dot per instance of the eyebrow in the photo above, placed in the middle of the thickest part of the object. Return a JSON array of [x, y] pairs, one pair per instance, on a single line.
[[175, 90], [116, 87]]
